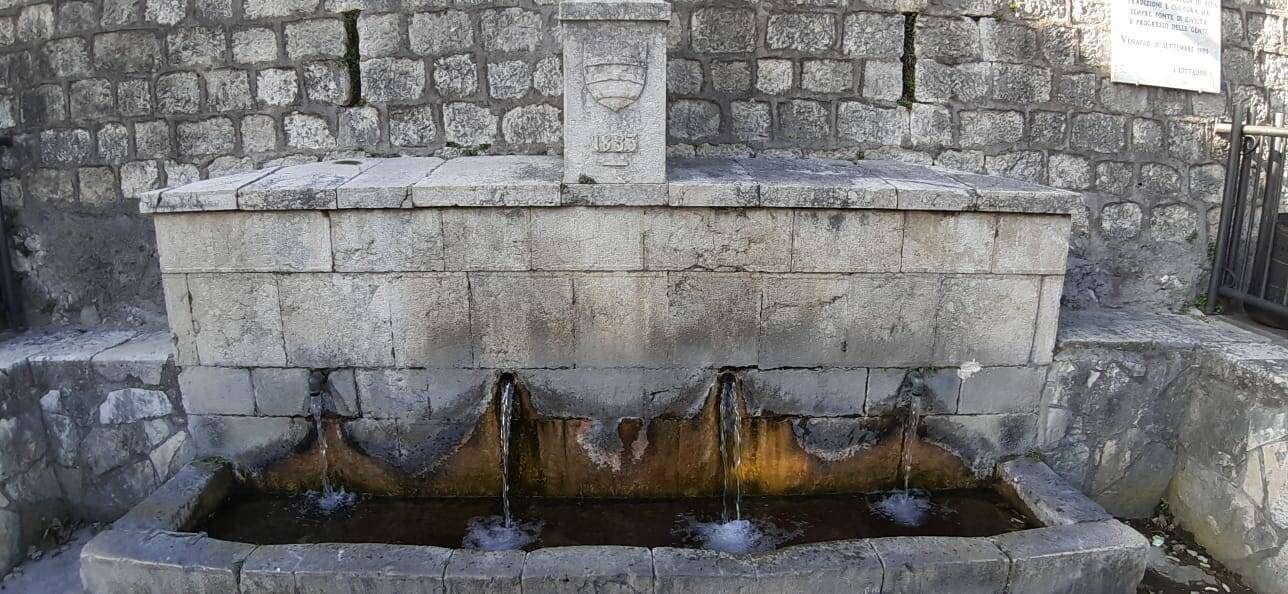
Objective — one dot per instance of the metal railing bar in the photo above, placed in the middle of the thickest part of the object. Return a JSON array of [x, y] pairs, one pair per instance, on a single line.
[[1250, 130], [1227, 206]]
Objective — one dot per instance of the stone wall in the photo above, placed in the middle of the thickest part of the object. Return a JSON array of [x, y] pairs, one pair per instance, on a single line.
[[90, 424], [111, 98], [1146, 408]]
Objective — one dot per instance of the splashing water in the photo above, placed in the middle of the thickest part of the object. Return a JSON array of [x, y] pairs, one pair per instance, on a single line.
[[730, 450], [494, 533], [906, 508], [736, 537], [330, 499], [505, 414]]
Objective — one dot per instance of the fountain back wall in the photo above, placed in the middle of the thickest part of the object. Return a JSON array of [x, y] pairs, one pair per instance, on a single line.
[[819, 285]]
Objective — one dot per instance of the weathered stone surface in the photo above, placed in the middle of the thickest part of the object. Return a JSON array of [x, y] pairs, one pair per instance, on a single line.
[[620, 320], [281, 392], [521, 320], [1104, 556], [710, 182], [491, 181], [606, 569], [1033, 487], [717, 239], [818, 184], [841, 566], [614, 394], [190, 495], [586, 238], [985, 319], [448, 395], [981, 440], [1002, 390], [840, 241], [806, 392], [940, 397], [948, 242], [1044, 335], [927, 563], [713, 319], [695, 571], [336, 320], [487, 239], [891, 320], [130, 405], [243, 242], [247, 442], [310, 186], [1031, 245], [216, 390], [354, 567], [387, 184], [218, 193], [124, 561], [430, 317], [804, 321], [384, 241], [484, 572], [237, 319], [614, 194], [143, 357]]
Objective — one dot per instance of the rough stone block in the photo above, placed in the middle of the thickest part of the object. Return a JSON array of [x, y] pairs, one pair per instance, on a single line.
[[604, 569], [846, 241], [387, 184], [1031, 244], [247, 442], [125, 561], [243, 242], [217, 193], [841, 566], [695, 571], [447, 395], [484, 572], [348, 567], [521, 319], [620, 320], [714, 319], [802, 183], [237, 319], [387, 240], [756, 240], [1044, 334], [216, 390], [806, 392], [1002, 390], [280, 392], [948, 242], [892, 319], [144, 358], [804, 321], [986, 319], [1102, 556], [926, 564], [981, 440], [710, 181], [943, 388], [614, 194], [1032, 486], [487, 239], [309, 186], [587, 238], [614, 394], [430, 314], [491, 181], [336, 320], [190, 495]]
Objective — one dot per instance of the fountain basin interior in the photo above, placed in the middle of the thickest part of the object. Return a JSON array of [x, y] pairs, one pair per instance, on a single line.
[[1069, 545]]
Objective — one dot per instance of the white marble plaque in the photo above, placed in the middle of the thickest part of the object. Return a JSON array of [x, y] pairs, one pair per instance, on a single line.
[[1167, 43]]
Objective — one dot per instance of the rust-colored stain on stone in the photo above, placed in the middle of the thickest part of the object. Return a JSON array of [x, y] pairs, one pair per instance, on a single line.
[[667, 456]]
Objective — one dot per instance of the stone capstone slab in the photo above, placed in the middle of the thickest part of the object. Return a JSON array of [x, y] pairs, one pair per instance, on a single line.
[[603, 569], [696, 571], [348, 567], [519, 180], [1105, 556], [841, 566], [484, 572], [1033, 487], [191, 494], [157, 561], [929, 564]]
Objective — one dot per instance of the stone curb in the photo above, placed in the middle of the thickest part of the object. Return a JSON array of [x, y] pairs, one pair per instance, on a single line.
[[504, 181], [1079, 553], [1034, 488]]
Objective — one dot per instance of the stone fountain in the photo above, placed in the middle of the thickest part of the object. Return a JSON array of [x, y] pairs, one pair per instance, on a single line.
[[616, 287]]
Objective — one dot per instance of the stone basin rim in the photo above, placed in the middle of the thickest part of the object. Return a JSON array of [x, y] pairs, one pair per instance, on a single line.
[[536, 181], [1078, 544]]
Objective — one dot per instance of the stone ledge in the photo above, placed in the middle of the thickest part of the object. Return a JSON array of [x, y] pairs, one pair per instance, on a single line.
[[535, 181], [1032, 486]]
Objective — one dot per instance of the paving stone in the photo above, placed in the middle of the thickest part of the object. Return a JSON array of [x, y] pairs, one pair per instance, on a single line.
[[491, 181], [234, 241], [124, 561], [484, 572], [236, 319], [1032, 486], [216, 390], [1104, 556], [311, 186], [717, 239], [587, 238], [430, 316], [487, 239], [383, 241], [840, 566], [1002, 390], [522, 319], [336, 320], [606, 569]]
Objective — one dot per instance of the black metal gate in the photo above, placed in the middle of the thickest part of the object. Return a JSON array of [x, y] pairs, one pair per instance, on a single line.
[[10, 303], [1251, 261]]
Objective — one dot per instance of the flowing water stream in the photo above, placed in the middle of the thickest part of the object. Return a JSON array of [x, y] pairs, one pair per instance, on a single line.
[[730, 449], [329, 499], [907, 507], [492, 533]]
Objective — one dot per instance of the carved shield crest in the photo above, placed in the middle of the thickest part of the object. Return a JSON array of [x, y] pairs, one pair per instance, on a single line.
[[616, 78]]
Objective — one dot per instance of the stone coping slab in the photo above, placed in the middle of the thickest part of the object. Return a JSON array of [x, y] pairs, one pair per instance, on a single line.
[[1076, 550], [507, 181]]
